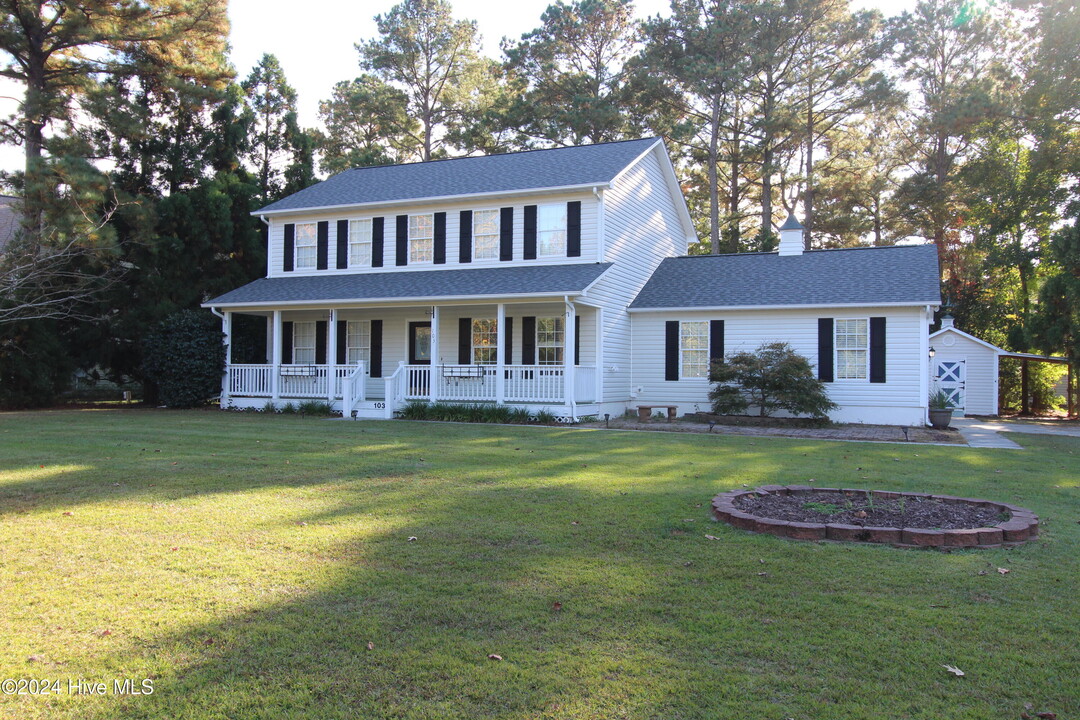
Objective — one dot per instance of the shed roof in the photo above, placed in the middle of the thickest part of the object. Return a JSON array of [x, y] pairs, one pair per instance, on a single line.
[[490, 174], [896, 275], [428, 286]]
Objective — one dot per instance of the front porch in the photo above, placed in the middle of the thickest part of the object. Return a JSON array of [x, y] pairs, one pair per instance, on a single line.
[[507, 354]]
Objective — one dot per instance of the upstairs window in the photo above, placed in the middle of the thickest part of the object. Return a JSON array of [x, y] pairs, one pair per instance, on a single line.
[[303, 349], [360, 243], [694, 349], [357, 341], [304, 239], [852, 343], [549, 341], [485, 342], [486, 234], [551, 229], [421, 238]]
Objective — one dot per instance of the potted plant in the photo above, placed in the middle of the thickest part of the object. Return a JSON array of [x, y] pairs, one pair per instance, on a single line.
[[941, 409]]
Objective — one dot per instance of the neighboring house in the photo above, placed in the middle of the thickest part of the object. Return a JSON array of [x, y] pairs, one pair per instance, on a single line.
[[10, 219], [553, 279]]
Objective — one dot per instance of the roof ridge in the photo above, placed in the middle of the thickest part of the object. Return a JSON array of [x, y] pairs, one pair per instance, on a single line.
[[495, 155], [756, 253]]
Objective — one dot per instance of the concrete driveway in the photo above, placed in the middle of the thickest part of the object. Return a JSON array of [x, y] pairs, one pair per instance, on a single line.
[[986, 433]]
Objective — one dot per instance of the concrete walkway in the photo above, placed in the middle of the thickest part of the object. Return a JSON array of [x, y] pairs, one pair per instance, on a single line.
[[985, 433]]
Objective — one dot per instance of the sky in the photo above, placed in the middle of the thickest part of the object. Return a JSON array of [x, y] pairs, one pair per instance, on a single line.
[[316, 47]]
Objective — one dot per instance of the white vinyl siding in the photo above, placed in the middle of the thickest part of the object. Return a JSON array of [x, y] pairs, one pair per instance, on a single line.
[[981, 369], [303, 351], [360, 243], [694, 349], [852, 347], [485, 341], [421, 238], [304, 239], [551, 229], [357, 341], [485, 237], [550, 340], [900, 400]]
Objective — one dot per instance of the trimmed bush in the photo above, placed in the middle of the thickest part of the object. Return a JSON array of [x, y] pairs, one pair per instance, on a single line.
[[772, 377], [185, 357]]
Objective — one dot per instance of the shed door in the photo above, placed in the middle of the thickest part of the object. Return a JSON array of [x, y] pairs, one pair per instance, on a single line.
[[951, 376]]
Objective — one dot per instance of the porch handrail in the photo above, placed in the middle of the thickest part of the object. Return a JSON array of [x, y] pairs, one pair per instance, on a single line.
[[394, 390], [350, 396]]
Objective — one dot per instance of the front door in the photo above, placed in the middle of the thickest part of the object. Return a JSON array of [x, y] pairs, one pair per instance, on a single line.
[[951, 379], [419, 354]]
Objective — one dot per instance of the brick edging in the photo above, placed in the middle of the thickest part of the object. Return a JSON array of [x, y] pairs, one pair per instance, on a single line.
[[1022, 525]]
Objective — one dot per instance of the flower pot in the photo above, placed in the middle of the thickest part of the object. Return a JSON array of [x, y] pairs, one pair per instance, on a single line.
[[940, 417]]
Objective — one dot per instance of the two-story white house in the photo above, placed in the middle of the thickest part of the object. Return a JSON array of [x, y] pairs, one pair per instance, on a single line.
[[548, 279]]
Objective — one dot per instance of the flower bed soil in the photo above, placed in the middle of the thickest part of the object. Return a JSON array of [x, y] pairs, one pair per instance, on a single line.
[[902, 519]]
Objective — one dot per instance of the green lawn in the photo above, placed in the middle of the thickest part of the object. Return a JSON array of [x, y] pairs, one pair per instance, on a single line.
[[244, 564]]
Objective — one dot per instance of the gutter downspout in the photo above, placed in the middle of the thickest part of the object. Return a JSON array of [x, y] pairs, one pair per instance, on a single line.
[[601, 244], [569, 350]]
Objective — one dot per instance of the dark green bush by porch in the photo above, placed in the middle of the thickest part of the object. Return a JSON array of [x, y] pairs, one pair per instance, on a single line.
[[185, 357], [473, 413], [772, 377]]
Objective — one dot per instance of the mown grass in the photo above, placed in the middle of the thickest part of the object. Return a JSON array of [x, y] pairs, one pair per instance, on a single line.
[[244, 563]]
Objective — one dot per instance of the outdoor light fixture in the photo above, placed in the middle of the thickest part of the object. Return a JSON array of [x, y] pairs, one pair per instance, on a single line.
[[607, 418], [712, 423], [933, 352]]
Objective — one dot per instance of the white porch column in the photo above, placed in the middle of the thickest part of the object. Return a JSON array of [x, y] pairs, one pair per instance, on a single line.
[[275, 359], [432, 389], [226, 328], [331, 357], [269, 338], [500, 355], [568, 357]]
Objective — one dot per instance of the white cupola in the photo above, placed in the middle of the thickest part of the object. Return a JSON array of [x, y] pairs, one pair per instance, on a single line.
[[791, 236]]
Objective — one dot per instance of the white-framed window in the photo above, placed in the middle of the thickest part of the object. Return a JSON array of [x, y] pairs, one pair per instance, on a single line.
[[551, 229], [303, 343], [360, 243], [694, 349], [851, 340], [550, 340], [421, 238], [485, 234], [357, 341], [304, 239], [485, 341]]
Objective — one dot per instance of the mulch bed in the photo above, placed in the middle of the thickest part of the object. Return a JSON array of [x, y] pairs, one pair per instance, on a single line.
[[859, 509]]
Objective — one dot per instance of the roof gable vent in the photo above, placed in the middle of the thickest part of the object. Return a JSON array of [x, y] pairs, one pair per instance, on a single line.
[[791, 236]]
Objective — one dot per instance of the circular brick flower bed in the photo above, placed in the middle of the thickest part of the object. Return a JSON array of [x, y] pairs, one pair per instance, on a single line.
[[849, 515]]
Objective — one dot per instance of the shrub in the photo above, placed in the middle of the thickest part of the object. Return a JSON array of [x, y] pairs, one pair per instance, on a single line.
[[772, 377], [315, 407], [34, 364], [185, 357]]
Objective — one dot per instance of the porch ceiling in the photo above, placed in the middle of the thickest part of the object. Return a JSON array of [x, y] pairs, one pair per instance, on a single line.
[[428, 286]]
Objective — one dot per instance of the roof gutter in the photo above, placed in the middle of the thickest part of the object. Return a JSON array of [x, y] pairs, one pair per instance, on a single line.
[[354, 302], [435, 199], [817, 306]]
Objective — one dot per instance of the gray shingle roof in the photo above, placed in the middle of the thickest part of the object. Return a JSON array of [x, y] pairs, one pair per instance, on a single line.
[[429, 285], [533, 170], [857, 276]]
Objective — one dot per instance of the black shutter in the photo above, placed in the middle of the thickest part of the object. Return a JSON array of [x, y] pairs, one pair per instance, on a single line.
[[508, 358], [464, 341], [530, 232], [671, 350], [342, 244], [577, 339], [573, 229], [322, 246], [716, 341], [290, 242], [440, 238], [342, 342], [321, 327], [465, 237], [877, 349], [377, 227], [825, 349], [506, 234], [376, 348], [402, 239], [528, 341], [286, 343]]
